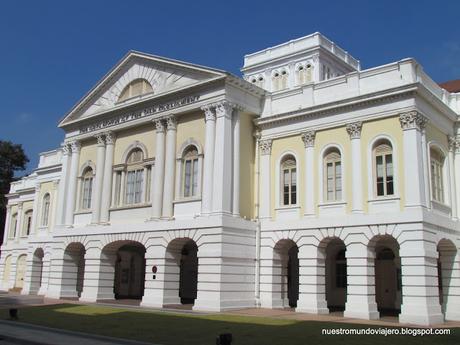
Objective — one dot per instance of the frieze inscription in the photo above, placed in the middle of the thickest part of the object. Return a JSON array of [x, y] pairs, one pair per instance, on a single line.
[[134, 115]]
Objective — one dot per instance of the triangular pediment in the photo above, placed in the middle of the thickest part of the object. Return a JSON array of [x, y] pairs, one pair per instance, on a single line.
[[163, 75]]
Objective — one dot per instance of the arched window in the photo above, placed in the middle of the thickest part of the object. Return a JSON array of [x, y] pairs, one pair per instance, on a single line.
[[13, 225], [279, 80], [258, 80], [135, 88], [332, 175], [190, 172], [27, 227], [45, 209], [437, 179], [289, 180], [303, 74], [134, 177], [86, 188], [383, 168]]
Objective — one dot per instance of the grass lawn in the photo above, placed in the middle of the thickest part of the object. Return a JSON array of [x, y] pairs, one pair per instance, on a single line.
[[191, 329]]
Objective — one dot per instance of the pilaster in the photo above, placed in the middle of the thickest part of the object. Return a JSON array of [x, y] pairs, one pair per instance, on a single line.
[[99, 180], [61, 202], [210, 118], [412, 124], [265, 146], [354, 131], [108, 175], [72, 189], [158, 176], [168, 191], [308, 139]]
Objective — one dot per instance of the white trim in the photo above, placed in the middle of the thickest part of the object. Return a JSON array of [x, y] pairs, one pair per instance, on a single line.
[[135, 145], [321, 175], [445, 175], [278, 186], [371, 195], [85, 165], [186, 144]]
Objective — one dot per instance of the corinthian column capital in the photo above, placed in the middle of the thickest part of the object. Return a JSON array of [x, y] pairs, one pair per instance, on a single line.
[[171, 123], [110, 138], [209, 114], [224, 108], [412, 120], [266, 146], [354, 129], [159, 125], [308, 138], [75, 146]]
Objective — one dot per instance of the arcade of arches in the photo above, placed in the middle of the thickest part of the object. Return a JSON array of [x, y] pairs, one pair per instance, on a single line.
[[122, 266]]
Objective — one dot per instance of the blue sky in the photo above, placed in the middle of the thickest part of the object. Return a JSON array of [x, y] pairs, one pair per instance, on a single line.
[[53, 52]]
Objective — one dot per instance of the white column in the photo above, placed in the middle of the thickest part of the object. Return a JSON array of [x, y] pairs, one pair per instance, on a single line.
[[412, 124], [222, 187], [265, 190], [426, 168], [97, 191], [361, 302], [61, 202], [420, 293], [308, 139], [114, 188], [206, 202], [108, 174], [72, 189], [121, 199], [19, 221], [6, 231], [236, 163], [35, 212], [354, 130], [452, 184], [457, 174], [157, 186], [168, 191]]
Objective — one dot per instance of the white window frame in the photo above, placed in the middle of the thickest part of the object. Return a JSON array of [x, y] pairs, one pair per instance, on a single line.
[[321, 190], [28, 215], [45, 214], [83, 180], [179, 190], [13, 225], [444, 174]]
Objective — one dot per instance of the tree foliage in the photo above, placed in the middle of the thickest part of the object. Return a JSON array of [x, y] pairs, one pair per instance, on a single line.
[[12, 159]]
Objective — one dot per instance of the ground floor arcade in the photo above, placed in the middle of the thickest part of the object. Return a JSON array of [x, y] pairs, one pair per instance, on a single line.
[[364, 274]]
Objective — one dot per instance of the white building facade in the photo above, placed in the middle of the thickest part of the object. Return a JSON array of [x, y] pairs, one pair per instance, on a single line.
[[308, 183]]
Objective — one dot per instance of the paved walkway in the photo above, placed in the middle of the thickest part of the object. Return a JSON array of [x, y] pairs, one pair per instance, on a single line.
[[21, 333]]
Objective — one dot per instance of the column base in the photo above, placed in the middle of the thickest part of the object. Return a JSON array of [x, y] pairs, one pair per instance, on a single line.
[[421, 315], [313, 307], [365, 311]]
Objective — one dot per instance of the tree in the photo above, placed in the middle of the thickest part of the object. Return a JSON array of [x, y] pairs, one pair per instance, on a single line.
[[12, 159]]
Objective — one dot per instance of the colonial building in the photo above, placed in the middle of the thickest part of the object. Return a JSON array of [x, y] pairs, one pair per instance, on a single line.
[[308, 183]]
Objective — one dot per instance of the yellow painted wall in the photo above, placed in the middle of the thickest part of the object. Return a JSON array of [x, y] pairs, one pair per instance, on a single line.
[[145, 134], [47, 187], [281, 146], [371, 130], [340, 137], [190, 126], [87, 153], [247, 166], [434, 134]]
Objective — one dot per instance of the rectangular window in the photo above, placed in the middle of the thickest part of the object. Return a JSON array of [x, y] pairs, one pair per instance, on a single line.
[[29, 223], [293, 187], [188, 173], [338, 181], [195, 177]]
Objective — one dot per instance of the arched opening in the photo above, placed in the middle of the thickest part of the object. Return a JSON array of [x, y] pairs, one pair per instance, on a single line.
[[182, 271], [388, 287], [335, 274], [129, 280], [446, 279], [73, 270], [286, 258], [7, 272], [37, 271], [21, 266]]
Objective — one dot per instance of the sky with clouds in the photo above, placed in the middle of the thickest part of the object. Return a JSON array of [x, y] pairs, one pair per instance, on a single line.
[[52, 52]]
